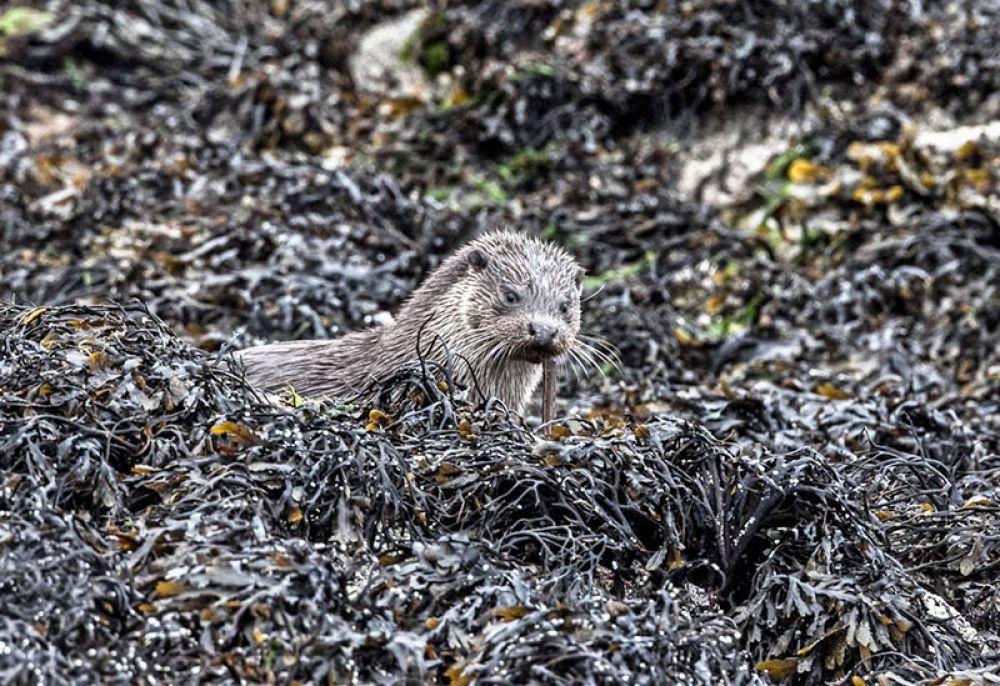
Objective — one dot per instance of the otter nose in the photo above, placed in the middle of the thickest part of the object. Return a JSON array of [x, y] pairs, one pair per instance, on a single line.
[[542, 334]]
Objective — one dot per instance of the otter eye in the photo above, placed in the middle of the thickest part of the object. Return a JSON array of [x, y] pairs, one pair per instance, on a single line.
[[511, 296], [564, 307]]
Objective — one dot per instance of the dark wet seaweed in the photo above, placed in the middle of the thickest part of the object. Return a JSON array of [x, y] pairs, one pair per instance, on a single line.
[[791, 475]]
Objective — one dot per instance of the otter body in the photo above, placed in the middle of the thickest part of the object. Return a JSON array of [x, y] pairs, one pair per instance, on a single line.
[[504, 303]]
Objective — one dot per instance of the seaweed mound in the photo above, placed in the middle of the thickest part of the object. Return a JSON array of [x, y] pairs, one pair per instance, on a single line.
[[161, 522], [181, 528]]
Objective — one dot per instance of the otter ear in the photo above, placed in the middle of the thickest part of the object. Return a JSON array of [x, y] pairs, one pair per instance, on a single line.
[[477, 259], [578, 276]]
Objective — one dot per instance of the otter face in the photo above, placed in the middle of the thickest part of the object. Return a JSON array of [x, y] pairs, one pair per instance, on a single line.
[[527, 299]]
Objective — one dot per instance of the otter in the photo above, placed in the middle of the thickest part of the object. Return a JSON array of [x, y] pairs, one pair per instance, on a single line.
[[505, 303]]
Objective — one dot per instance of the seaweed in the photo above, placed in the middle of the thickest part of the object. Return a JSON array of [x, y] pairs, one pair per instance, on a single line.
[[787, 471]]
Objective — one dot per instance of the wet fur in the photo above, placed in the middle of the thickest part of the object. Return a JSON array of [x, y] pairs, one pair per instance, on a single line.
[[460, 305]]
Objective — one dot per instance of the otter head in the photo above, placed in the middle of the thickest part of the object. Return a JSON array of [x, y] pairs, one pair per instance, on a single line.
[[524, 302]]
